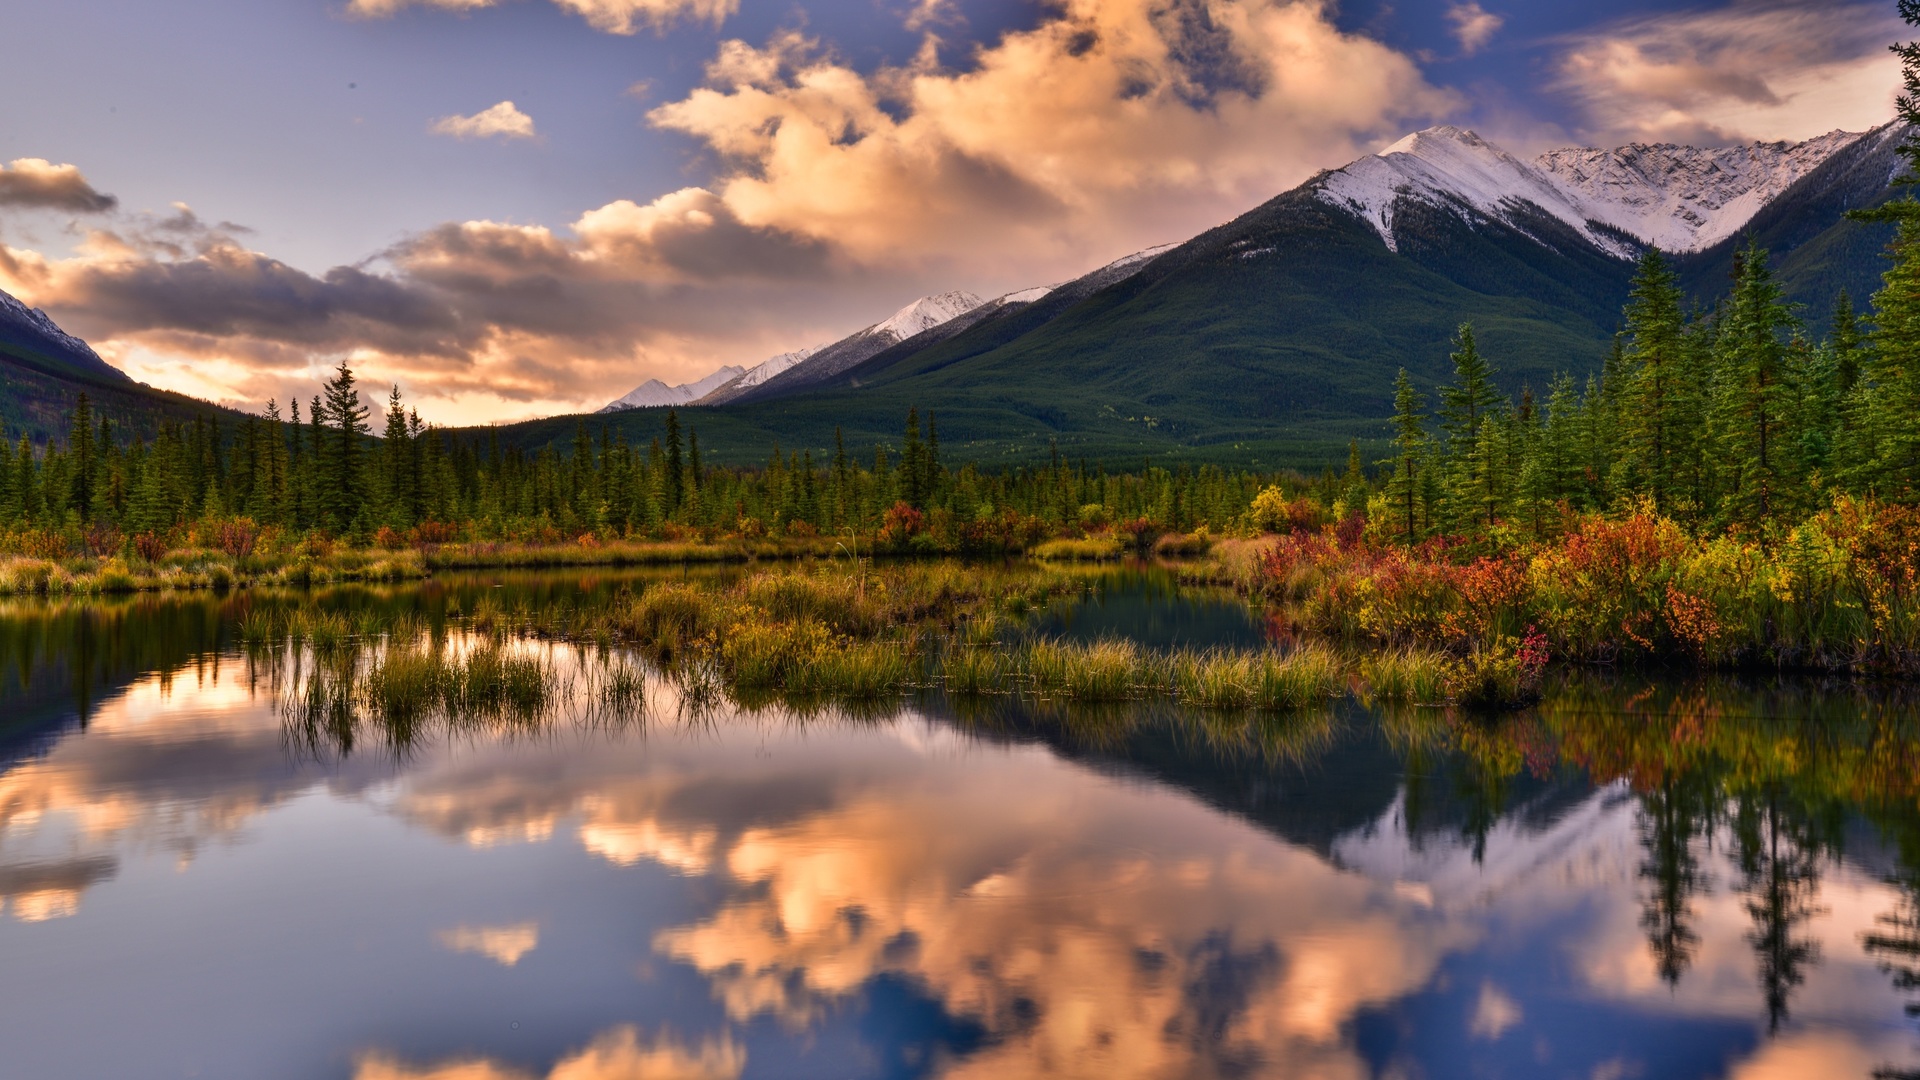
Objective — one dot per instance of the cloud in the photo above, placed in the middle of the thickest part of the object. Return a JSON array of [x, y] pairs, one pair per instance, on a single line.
[[611, 16], [836, 195], [1119, 121], [1473, 26], [1754, 70], [505, 120], [38, 184]]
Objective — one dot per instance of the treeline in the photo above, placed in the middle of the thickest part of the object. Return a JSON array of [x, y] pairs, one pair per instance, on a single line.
[[323, 472], [1726, 419]]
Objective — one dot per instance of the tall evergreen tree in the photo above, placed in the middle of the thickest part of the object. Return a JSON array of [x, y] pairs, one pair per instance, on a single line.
[[343, 491], [1466, 406], [1753, 396], [1659, 414], [674, 487], [1409, 445]]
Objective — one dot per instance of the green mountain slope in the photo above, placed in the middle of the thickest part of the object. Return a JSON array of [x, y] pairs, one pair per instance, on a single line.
[[1271, 340]]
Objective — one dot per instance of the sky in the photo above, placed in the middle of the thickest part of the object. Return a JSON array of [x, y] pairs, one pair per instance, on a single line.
[[517, 208]]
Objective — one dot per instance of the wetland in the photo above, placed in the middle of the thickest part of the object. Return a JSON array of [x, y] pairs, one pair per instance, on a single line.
[[947, 819]]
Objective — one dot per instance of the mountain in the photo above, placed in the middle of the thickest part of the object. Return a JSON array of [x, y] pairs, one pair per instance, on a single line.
[[653, 393], [29, 337], [1274, 338], [817, 364]]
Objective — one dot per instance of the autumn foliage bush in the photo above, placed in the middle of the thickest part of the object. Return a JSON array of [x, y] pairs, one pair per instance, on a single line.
[[1839, 592]]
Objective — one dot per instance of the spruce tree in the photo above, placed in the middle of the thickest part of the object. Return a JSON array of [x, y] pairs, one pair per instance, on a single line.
[[343, 494], [1753, 396], [1658, 415], [1891, 378], [912, 469], [1409, 445], [673, 487], [1465, 408], [81, 446]]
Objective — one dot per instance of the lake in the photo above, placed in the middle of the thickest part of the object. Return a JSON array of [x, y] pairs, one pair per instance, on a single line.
[[1646, 877]]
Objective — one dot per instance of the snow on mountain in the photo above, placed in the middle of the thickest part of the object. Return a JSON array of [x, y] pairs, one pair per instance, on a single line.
[[30, 328], [925, 314], [1680, 198], [767, 369], [1685, 198], [654, 394]]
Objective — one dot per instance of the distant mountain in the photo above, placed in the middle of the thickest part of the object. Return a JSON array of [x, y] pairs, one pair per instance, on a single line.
[[1275, 338], [44, 370], [654, 394], [815, 365]]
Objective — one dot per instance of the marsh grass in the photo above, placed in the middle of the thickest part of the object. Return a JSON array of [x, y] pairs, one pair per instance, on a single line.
[[1411, 675], [1089, 549], [975, 671], [260, 627], [865, 671]]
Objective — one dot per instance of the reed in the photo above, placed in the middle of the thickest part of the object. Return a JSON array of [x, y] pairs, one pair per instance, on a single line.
[[1102, 671], [1308, 676], [259, 626], [1413, 675], [976, 671], [865, 671], [1215, 680], [1089, 549], [405, 686]]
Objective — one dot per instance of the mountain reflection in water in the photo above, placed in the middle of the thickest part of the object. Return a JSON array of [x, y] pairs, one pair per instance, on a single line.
[[1640, 879]]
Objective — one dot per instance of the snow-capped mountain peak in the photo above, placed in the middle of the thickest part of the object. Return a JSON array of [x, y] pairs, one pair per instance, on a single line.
[[1684, 198], [767, 369], [654, 394], [926, 313], [1676, 197]]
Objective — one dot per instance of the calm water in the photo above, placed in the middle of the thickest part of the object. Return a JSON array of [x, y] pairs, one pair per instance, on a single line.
[[1643, 879]]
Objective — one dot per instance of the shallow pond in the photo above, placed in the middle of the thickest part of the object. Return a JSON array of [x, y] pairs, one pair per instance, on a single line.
[[1644, 878]]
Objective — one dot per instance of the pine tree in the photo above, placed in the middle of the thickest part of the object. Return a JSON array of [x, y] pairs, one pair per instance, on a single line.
[[1658, 414], [912, 468], [1409, 444], [673, 489], [1753, 395], [343, 491], [81, 446], [1465, 408], [1891, 378]]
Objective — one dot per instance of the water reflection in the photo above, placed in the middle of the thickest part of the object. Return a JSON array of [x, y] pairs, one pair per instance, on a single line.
[[1655, 879]]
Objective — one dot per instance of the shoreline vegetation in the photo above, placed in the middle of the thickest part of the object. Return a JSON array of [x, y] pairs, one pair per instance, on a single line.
[[870, 636]]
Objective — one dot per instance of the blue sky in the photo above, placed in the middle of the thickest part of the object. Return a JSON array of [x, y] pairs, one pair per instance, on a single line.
[[683, 183]]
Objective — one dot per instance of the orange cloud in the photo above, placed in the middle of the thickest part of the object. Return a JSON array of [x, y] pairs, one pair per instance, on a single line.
[[1112, 125], [39, 184], [504, 120], [619, 1054]]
